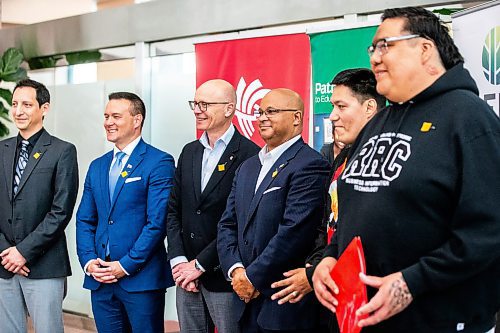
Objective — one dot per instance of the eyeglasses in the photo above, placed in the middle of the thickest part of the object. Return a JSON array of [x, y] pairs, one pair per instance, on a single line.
[[203, 106], [382, 47], [270, 112]]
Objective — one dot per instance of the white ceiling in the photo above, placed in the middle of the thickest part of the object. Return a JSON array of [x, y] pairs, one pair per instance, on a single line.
[[34, 11]]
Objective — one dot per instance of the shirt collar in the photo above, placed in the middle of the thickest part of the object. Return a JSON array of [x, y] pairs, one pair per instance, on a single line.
[[32, 139], [278, 151], [226, 137], [128, 148]]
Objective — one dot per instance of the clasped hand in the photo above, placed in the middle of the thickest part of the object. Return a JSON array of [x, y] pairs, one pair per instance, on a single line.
[[242, 285], [13, 261]]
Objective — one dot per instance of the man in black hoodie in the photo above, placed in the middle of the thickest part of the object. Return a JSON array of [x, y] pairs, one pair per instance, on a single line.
[[422, 189]]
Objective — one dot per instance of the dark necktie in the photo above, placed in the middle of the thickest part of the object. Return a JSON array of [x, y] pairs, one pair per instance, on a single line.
[[114, 173], [21, 164]]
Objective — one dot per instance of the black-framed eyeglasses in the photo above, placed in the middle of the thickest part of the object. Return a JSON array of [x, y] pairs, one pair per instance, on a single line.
[[382, 47], [203, 106], [270, 112]]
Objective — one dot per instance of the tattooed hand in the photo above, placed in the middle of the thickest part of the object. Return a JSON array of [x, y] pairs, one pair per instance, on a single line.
[[393, 296]]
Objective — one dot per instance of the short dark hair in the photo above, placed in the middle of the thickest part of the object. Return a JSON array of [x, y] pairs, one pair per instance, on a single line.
[[362, 83], [136, 102], [420, 21], [42, 93]]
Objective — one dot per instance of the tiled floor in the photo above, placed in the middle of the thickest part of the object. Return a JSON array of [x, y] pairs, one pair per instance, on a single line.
[[80, 324]]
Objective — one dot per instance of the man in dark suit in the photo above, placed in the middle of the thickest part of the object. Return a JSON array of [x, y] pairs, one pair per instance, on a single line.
[[38, 188], [120, 224], [272, 217], [203, 179]]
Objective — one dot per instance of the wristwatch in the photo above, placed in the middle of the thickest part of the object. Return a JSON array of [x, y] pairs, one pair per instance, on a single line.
[[197, 265]]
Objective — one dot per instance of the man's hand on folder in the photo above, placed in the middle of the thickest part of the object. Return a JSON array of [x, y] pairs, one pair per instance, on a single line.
[[393, 296], [324, 286]]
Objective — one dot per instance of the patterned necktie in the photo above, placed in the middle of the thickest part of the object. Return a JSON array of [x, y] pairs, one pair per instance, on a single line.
[[21, 164], [114, 173]]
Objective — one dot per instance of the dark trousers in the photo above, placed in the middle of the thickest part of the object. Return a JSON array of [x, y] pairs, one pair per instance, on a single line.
[[118, 311]]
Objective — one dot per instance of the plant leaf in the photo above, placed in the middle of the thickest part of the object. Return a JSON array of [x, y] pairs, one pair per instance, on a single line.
[[43, 62], [6, 94], [4, 131], [14, 77], [83, 57], [12, 59]]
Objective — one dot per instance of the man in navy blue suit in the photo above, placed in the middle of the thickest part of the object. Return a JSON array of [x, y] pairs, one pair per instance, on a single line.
[[272, 217], [120, 224]]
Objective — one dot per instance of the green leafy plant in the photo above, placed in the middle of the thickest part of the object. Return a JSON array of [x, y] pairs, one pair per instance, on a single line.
[[10, 71]]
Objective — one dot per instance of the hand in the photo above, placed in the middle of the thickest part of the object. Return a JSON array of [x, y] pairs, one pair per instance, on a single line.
[[295, 286], [324, 286], [186, 274], [193, 287], [393, 296], [99, 273], [24, 271], [116, 268], [12, 260], [242, 286]]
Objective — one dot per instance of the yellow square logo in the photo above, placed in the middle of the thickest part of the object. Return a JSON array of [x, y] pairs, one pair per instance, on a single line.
[[426, 127], [124, 174], [37, 155], [221, 167]]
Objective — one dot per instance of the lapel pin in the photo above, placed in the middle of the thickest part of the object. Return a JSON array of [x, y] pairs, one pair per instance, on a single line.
[[37, 155], [221, 167], [129, 166], [124, 174], [231, 157], [282, 165], [426, 127], [275, 172]]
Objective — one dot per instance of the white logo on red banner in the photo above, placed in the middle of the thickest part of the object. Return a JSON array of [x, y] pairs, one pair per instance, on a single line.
[[247, 98]]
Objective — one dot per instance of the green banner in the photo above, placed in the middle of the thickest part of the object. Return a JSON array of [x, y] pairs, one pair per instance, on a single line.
[[333, 52]]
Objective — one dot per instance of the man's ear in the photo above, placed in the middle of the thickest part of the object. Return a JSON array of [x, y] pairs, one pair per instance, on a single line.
[[45, 109], [297, 118], [138, 120], [371, 108], [230, 108], [428, 49]]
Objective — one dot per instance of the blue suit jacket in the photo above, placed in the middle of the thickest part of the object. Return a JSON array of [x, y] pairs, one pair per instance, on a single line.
[[134, 221], [274, 230]]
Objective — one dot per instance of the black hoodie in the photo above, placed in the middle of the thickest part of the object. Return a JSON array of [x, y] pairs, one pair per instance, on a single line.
[[422, 189]]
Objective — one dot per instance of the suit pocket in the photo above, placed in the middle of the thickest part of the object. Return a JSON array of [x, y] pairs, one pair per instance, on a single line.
[[42, 170]]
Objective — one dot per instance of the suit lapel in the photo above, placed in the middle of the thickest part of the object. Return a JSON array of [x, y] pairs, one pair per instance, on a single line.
[[273, 173], [225, 163], [8, 164], [104, 176], [197, 161], [134, 160], [37, 154]]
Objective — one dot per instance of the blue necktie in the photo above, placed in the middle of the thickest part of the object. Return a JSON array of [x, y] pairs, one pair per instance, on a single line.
[[114, 173], [21, 164]]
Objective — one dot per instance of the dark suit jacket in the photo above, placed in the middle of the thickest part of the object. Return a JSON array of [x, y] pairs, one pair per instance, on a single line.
[[35, 218], [134, 221], [193, 216], [273, 231]]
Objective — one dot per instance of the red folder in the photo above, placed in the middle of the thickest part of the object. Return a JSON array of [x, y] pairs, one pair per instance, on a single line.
[[352, 292]]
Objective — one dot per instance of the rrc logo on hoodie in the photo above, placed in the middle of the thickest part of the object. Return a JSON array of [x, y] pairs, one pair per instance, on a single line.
[[379, 162]]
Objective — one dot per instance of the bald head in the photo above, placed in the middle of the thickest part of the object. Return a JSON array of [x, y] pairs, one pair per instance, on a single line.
[[289, 99], [218, 89], [275, 129]]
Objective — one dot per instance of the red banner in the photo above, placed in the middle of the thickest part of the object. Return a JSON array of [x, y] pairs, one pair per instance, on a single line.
[[254, 66]]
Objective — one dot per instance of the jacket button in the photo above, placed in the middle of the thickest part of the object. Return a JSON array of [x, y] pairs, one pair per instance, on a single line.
[[9, 221], [103, 245], [198, 212], [192, 235], [246, 242], [110, 222]]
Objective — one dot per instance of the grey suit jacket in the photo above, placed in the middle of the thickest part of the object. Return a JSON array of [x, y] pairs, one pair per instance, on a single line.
[[34, 219]]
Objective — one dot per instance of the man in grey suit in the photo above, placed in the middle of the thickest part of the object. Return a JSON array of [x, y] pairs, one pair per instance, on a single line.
[[38, 188]]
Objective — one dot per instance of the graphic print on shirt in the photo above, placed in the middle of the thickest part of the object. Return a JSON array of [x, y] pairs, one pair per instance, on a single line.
[[379, 162]]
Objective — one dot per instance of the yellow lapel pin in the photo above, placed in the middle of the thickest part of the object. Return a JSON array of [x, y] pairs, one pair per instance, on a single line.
[[37, 155], [124, 174], [221, 167], [426, 127], [275, 172]]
